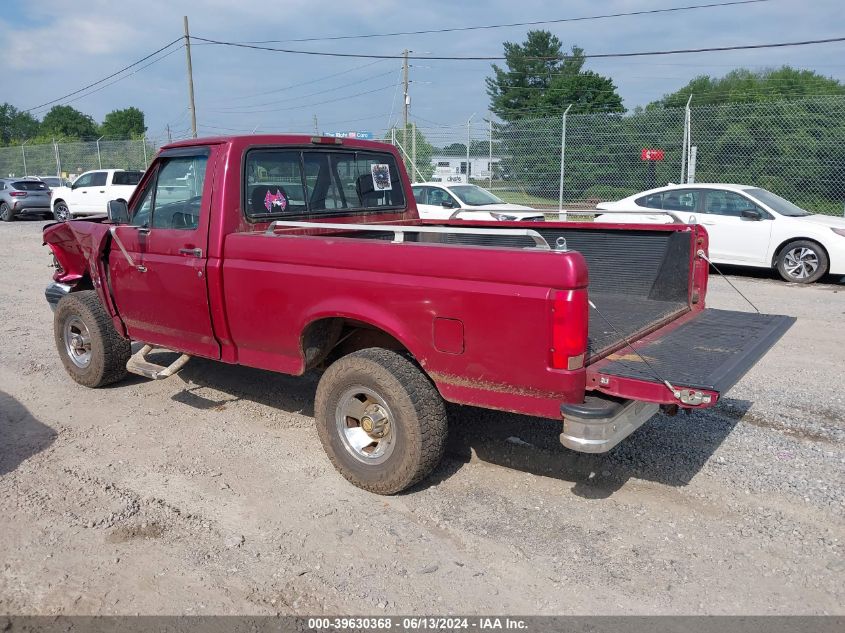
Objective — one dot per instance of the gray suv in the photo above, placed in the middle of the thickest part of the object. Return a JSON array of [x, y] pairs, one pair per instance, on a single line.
[[20, 196]]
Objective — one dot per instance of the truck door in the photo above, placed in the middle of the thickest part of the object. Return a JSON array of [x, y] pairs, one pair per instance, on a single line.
[[162, 295]]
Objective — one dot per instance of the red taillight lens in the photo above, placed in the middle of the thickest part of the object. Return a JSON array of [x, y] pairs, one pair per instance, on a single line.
[[18, 194], [569, 328]]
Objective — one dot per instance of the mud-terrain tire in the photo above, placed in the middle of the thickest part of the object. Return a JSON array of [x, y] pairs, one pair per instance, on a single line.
[[802, 262], [6, 213], [92, 351], [375, 385]]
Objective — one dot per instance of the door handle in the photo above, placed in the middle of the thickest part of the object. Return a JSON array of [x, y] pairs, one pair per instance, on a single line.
[[102, 190], [196, 252], [83, 192], [143, 230]]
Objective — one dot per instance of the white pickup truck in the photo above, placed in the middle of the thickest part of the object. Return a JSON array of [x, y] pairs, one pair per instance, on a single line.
[[90, 193]]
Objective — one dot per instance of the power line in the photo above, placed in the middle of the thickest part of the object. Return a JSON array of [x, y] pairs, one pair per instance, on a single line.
[[99, 81], [313, 94], [501, 58], [311, 105], [132, 74], [512, 24], [292, 86]]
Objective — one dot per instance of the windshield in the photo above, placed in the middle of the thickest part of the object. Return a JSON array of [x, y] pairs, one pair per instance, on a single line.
[[781, 205], [474, 196]]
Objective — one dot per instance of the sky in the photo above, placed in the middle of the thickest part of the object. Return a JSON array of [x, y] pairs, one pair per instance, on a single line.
[[54, 47]]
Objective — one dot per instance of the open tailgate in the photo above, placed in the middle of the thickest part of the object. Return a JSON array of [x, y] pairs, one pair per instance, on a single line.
[[703, 354]]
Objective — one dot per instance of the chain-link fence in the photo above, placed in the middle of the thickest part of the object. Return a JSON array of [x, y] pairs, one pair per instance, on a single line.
[[794, 148], [73, 158]]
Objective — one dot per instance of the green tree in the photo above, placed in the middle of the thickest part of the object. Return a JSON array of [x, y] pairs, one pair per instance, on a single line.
[[747, 86], [541, 81], [127, 123], [455, 149], [15, 125], [65, 121]]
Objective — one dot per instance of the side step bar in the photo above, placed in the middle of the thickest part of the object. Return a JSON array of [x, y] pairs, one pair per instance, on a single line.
[[139, 365]]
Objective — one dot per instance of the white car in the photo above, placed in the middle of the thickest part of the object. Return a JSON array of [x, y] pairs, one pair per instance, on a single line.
[[459, 201], [747, 226], [90, 193]]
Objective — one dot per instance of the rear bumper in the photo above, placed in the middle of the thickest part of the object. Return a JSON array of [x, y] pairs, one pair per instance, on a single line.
[[599, 424], [54, 292]]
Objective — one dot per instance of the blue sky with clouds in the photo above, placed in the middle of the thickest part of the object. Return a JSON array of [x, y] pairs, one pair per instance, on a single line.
[[53, 47]]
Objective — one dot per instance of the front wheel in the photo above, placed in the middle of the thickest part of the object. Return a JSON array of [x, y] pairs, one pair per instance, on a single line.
[[61, 212], [802, 261], [380, 420], [92, 351], [6, 213]]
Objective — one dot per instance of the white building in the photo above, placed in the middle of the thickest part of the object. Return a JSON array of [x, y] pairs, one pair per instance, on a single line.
[[454, 168]]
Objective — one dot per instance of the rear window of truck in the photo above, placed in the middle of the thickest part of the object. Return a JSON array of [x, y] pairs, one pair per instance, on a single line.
[[284, 183], [127, 177]]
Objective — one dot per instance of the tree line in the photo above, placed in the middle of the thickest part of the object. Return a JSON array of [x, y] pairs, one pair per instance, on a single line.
[[67, 123]]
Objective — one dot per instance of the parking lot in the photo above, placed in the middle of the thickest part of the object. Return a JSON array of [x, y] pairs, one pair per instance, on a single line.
[[209, 492]]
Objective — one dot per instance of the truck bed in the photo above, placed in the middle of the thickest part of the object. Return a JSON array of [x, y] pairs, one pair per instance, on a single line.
[[638, 279]]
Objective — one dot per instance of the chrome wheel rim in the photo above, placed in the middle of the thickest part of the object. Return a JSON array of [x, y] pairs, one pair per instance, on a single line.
[[801, 262], [365, 425], [77, 342], [62, 211]]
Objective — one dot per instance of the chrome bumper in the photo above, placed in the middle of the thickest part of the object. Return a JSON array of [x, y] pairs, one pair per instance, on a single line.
[[54, 292], [600, 424]]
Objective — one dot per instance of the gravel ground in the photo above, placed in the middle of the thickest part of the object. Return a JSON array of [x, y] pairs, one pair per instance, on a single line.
[[209, 493]]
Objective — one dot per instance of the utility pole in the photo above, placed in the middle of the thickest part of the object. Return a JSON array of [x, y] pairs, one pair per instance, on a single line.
[[316, 127], [191, 105], [406, 100], [169, 138]]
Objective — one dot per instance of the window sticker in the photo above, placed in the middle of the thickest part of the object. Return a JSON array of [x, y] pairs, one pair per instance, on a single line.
[[381, 177], [275, 201]]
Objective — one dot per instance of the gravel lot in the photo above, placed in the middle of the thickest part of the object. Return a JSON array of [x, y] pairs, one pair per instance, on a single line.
[[209, 492]]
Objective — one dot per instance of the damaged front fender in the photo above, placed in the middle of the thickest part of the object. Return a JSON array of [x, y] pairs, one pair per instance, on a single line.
[[80, 248]]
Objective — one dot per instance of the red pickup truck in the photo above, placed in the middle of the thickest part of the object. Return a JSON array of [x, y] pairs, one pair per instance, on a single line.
[[293, 253]]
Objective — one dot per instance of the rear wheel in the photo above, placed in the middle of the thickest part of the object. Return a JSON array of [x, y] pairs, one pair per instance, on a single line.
[[6, 213], [802, 261], [61, 212], [92, 351], [381, 420]]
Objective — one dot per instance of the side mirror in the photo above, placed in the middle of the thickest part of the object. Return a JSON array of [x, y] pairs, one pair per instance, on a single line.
[[751, 214], [118, 212], [447, 204]]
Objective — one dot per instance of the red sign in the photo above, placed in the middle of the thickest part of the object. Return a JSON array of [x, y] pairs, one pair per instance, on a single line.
[[652, 154]]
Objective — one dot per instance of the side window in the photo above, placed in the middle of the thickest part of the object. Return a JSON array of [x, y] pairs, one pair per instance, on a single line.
[[98, 179], [178, 192], [85, 180], [143, 208], [681, 200], [273, 184], [438, 196], [654, 201], [728, 203], [419, 194]]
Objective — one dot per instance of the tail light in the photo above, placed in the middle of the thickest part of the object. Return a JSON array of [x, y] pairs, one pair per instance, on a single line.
[[18, 194], [569, 329]]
